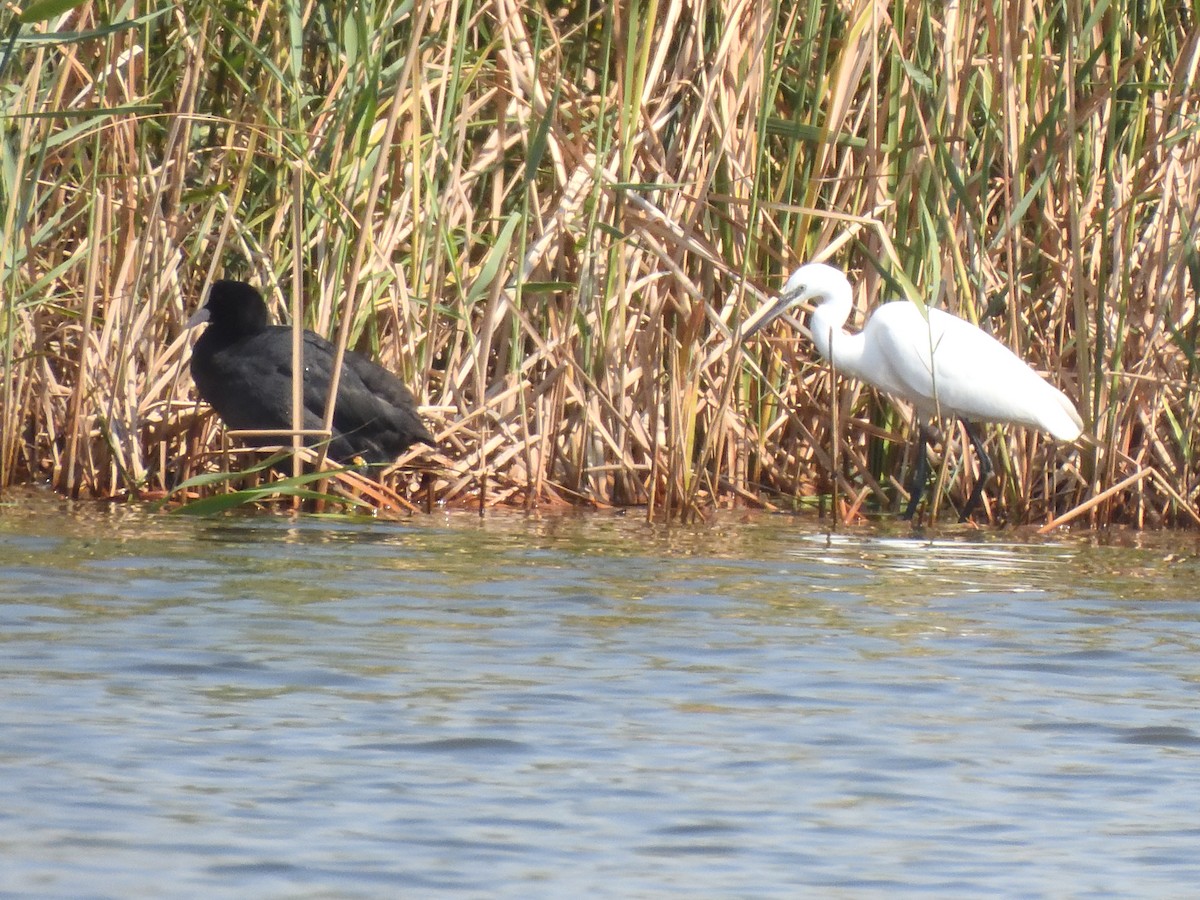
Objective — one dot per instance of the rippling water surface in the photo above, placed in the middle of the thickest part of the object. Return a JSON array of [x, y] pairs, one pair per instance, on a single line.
[[525, 707]]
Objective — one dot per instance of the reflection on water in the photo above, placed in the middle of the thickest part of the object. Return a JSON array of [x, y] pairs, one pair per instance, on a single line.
[[522, 707]]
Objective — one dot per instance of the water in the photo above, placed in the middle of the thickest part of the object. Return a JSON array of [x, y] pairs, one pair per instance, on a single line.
[[545, 707]]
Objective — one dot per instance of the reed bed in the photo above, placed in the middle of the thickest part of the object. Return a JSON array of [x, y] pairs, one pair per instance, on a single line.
[[549, 219]]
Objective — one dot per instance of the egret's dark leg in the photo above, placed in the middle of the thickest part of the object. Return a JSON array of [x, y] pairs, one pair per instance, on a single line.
[[985, 470], [916, 487]]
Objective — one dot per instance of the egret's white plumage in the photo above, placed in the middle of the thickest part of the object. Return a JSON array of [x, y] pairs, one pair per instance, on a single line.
[[943, 365]]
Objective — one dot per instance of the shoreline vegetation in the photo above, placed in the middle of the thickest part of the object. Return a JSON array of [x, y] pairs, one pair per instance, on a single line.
[[550, 219]]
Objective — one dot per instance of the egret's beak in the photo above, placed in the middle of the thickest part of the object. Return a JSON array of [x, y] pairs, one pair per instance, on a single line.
[[200, 315], [768, 314]]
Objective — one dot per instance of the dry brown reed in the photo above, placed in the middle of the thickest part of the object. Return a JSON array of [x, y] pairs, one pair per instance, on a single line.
[[549, 218]]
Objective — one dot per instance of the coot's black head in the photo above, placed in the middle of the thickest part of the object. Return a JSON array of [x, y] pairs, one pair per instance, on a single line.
[[234, 309]]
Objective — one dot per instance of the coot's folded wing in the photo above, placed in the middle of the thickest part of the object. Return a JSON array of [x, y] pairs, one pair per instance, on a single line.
[[375, 417], [401, 407]]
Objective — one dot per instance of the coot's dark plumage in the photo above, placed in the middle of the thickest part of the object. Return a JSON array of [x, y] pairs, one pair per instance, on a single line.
[[243, 367]]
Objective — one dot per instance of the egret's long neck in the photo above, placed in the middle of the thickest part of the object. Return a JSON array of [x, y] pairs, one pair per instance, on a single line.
[[833, 342]]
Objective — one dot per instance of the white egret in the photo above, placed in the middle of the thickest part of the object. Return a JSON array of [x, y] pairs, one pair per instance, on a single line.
[[943, 365]]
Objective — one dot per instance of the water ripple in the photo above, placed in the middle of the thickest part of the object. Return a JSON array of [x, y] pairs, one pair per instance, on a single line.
[[532, 707]]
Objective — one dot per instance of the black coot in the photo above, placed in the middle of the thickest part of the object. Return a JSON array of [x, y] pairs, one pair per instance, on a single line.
[[243, 367]]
